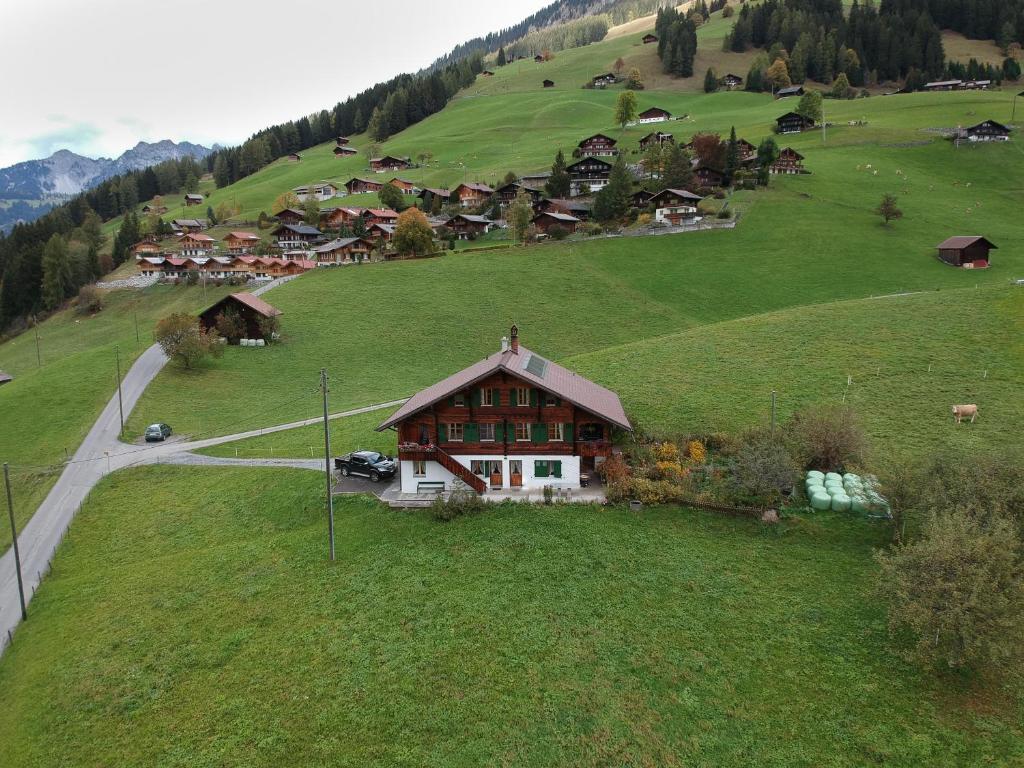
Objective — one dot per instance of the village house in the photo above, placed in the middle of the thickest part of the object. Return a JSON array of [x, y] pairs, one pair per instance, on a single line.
[[146, 248], [506, 194], [976, 85], [674, 206], [429, 194], [791, 122], [649, 38], [654, 115], [297, 236], [535, 180], [383, 232], [341, 141], [324, 190], [597, 145], [581, 209], [788, 161], [240, 242], [290, 216], [344, 250], [336, 218], [252, 310], [196, 244], [641, 197], [548, 84], [708, 176], [294, 157], [357, 186], [180, 226], [407, 187], [604, 79], [547, 220], [588, 175], [731, 81], [987, 130], [968, 251], [467, 227], [379, 216], [747, 151], [389, 163], [472, 195], [154, 209], [345, 151], [193, 198], [514, 420], [793, 90], [943, 85], [656, 138], [267, 268]]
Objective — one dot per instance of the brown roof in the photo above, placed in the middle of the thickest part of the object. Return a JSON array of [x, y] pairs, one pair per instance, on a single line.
[[242, 236], [5, 377], [963, 241], [553, 378], [256, 304]]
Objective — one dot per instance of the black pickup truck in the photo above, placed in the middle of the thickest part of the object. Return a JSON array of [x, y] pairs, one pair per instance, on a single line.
[[371, 464]]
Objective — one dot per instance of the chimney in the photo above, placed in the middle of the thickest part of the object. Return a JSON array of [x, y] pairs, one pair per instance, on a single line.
[[504, 343], [515, 340]]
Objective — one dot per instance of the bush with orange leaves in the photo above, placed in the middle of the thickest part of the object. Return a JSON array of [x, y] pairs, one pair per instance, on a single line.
[[697, 451], [666, 452]]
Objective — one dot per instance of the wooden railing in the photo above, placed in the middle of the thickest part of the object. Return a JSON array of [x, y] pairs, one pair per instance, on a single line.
[[446, 460]]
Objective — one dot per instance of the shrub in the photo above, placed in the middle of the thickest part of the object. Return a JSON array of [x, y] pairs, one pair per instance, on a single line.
[[613, 469], [458, 504], [695, 450], [672, 471], [590, 229], [644, 218], [762, 471], [192, 277], [182, 339], [666, 452], [647, 491], [556, 232], [90, 300], [827, 438], [725, 213], [106, 263]]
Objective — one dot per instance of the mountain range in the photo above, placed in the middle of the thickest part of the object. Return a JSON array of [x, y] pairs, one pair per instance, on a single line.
[[29, 189]]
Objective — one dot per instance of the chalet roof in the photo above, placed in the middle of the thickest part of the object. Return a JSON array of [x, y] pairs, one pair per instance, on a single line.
[[731, 76], [570, 204], [320, 184], [588, 160], [789, 115], [470, 218], [655, 111], [475, 186], [193, 196], [187, 222], [942, 83], [683, 193], [393, 179], [381, 213], [295, 211], [555, 379], [254, 303], [791, 152], [556, 216], [435, 191], [389, 228], [605, 76], [360, 179], [983, 123], [298, 229], [200, 236], [792, 90], [241, 236], [964, 241], [389, 157], [336, 244], [609, 139], [342, 149]]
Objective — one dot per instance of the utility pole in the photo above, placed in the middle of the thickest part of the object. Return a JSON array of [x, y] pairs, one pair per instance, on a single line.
[[327, 463], [136, 313], [14, 541], [120, 399], [773, 415], [1013, 112], [39, 360]]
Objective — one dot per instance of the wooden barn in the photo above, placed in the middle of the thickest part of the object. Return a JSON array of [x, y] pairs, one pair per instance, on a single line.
[[788, 161], [193, 198], [654, 115], [791, 122], [294, 157], [793, 90], [649, 38], [389, 163], [597, 145], [343, 150], [731, 81], [407, 187], [252, 309], [290, 216], [656, 138], [546, 221], [548, 83], [472, 195], [970, 251], [358, 186], [466, 226]]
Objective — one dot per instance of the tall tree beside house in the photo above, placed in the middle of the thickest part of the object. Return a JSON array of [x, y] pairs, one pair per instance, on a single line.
[[126, 237], [58, 280], [286, 200], [181, 339], [710, 81], [678, 172], [732, 158], [809, 107], [518, 216], [413, 235], [558, 183], [625, 108], [211, 217], [777, 75], [767, 153], [888, 210], [311, 210], [613, 201], [501, 57], [391, 197], [653, 161]]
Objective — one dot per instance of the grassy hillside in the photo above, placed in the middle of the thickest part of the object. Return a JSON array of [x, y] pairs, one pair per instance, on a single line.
[[212, 631]]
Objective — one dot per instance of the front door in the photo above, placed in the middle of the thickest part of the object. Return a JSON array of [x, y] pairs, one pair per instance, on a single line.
[[495, 474], [515, 473]]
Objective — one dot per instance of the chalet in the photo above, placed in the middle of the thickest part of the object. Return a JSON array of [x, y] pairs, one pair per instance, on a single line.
[[297, 235], [969, 251], [793, 90], [539, 59], [513, 420], [193, 198], [389, 163], [675, 206], [943, 85], [187, 225], [155, 209], [708, 176], [548, 83], [791, 122], [731, 81], [467, 227], [359, 186], [548, 220], [266, 268], [290, 216], [336, 218], [321, 191], [535, 180], [384, 232], [294, 157], [976, 85], [379, 216], [656, 138], [344, 250], [226, 266], [590, 173], [341, 141], [429, 194], [472, 195], [641, 197], [195, 244], [407, 187], [988, 130], [240, 242], [649, 38], [581, 209], [506, 195], [487, 73], [252, 310], [597, 145], [788, 161], [145, 248], [654, 115], [600, 81], [345, 151]]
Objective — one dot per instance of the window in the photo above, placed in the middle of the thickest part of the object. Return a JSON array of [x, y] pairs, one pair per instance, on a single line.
[[486, 396], [486, 433], [459, 400], [556, 432], [550, 400], [455, 431], [522, 431], [419, 469], [522, 395]]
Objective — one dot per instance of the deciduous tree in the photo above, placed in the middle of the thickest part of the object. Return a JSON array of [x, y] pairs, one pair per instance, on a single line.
[[181, 339], [518, 216], [625, 108], [413, 235], [887, 209]]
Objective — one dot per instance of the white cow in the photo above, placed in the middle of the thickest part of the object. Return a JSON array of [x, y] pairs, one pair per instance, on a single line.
[[961, 412]]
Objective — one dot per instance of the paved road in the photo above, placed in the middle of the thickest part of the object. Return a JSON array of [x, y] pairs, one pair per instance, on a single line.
[[99, 454]]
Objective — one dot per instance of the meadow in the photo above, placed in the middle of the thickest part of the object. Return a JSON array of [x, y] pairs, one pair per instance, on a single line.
[[213, 631]]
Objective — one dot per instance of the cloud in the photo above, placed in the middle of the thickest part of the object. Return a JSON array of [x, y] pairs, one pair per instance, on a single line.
[[78, 137]]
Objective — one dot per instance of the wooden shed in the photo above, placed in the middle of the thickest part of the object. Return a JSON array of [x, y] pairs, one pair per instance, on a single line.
[[970, 251], [252, 309]]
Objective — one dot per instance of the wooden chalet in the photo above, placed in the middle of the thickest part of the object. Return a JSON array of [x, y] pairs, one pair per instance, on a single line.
[[193, 198], [336, 218], [597, 145], [788, 161], [590, 174], [708, 176], [252, 310], [290, 216], [293, 157], [389, 163], [675, 206], [341, 141], [791, 122], [747, 151], [548, 83], [943, 85], [379, 216], [793, 90], [547, 220], [649, 38], [407, 187], [472, 195], [267, 268], [654, 115], [188, 225], [154, 209], [604, 79], [969, 251], [323, 190], [382, 232], [656, 138], [731, 81], [466, 226], [358, 186], [535, 180], [345, 151], [581, 209], [195, 244], [506, 194], [146, 248], [240, 242], [641, 198], [345, 250], [987, 130], [429, 194], [297, 236], [514, 420]]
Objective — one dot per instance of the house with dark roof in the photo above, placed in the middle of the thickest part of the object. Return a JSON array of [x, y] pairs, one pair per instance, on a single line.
[[506, 195], [987, 130], [358, 186], [193, 198], [598, 145], [788, 161], [708, 175], [675, 206], [253, 311], [389, 163], [589, 174], [548, 83], [466, 226], [649, 38], [429, 194], [293, 157], [343, 250], [341, 141], [512, 421], [656, 138], [604, 79], [471, 194], [943, 85], [297, 235], [969, 251], [791, 122], [577, 207], [731, 81], [290, 216], [545, 221], [793, 90], [654, 115], [343, 150]]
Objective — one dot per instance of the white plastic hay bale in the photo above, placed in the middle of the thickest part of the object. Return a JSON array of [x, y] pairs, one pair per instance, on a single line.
[[859, 504], [260, 343], [815, 474], [821, 501], [812, 490], [841, 503], [849, 476], [833, 476]]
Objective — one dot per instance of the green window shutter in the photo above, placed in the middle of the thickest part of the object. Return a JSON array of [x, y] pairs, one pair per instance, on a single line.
[[513, 397], [556, 468], [567, 429], [540, 469], [495, 397], [476, 397], [442, 433], [451, 400], [471, 433], [540, 433], [499, 433], [533, 397], [558, 401]]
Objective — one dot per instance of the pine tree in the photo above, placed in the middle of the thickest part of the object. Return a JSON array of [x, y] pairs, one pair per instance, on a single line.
[[501, 57], [210, 216], [613, 201], [767, 153], [732, 158], [558, 183], [58, 283], [678, 173], [710, 81]]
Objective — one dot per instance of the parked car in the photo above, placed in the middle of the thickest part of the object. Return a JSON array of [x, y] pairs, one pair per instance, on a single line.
[[156, 433], [371, 464]]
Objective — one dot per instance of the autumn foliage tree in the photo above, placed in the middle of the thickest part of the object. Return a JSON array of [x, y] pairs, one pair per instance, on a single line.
[[413, 235], [181, 339]]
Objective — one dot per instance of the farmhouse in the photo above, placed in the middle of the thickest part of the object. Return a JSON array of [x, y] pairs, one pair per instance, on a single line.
[[511, 421], [407, 187], [597, 145], [389, 163], [731, 81], [547, 220], [322, 191], [341, 141], [357, 186], [590, 174], [654, 115], [675, 206], [472, 195], [466, 226], [748, 152], [345, 151], [380, 216], [383, 232], [578, 208], [187, 225], [970, 251], [429, 194], [943, 85], [193, 199], [342, 251], [641, 197], [548, 83], [145, 248], [793, 90], [987, 130], [240, 242], [157, 209], [791, 122], [656, 138], [649, 38], [535, 180], [195, 244], [788, 161], [506, 195], [600, 81], [976, 85], [290, 216], [296, 235], [252, 310], [708, 176]]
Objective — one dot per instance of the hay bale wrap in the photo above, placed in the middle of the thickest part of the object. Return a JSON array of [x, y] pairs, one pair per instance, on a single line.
[[841, 503], [821, 501], [834, 476]]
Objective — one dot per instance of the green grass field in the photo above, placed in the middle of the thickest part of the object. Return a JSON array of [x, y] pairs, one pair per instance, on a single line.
[[212, 631]]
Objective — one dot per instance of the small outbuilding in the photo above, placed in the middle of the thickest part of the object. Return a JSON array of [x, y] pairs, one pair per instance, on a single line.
[[5, 377], [549, 83], [251, 309], [970, 251], [649, 38]]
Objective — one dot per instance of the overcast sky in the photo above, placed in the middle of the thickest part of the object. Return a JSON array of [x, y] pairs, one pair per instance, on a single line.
[[97, 76]]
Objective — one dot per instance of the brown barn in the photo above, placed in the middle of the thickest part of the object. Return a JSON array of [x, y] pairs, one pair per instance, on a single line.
[[472, 195], [407, 187], [649, 38], [656, 138], [240, 242], [290, 216], [343, 250], [549, 83], [389, 163], [145, 248], [345, 151], [358, 186], [466, 226], [707, 176], [252, 309], [545, 221], [341, 141], [294, 157], [969, 251]]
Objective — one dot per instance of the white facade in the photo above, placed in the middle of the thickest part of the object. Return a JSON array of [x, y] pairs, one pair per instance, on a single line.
[[592, 185], [655, 119], [434, 472], [318, 191], [686, 211]]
